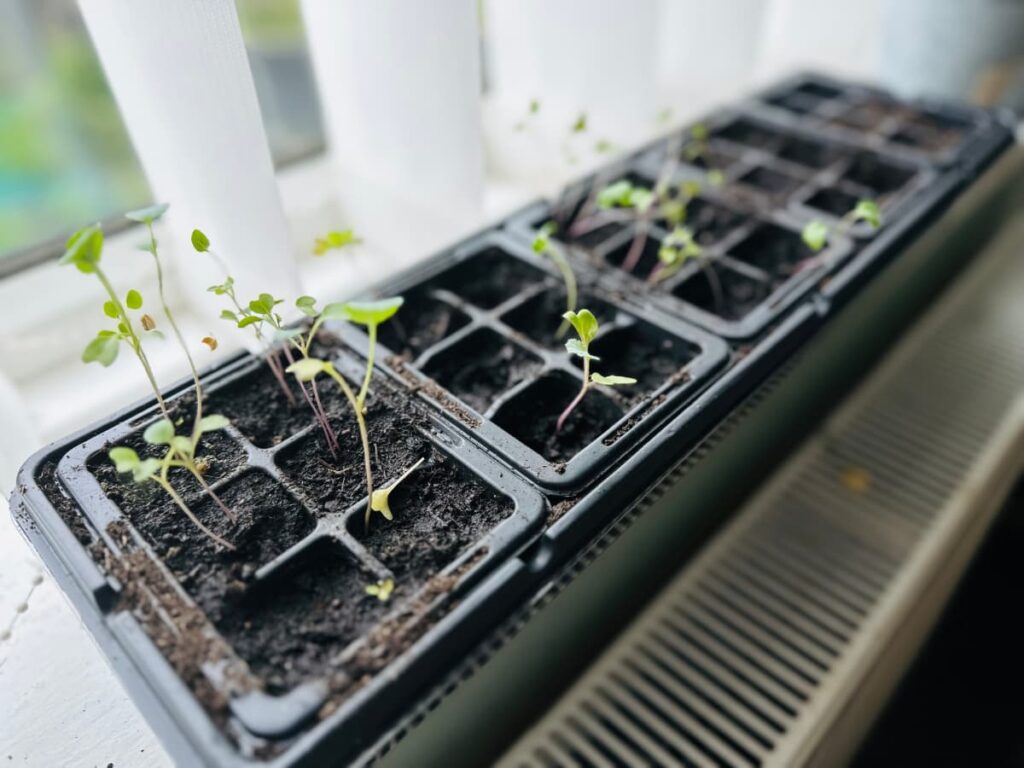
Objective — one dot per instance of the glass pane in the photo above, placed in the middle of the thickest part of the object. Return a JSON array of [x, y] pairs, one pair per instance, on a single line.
[[65, 158]]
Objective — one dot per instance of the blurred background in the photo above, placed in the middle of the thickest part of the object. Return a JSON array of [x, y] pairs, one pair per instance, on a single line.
[[66, 159]]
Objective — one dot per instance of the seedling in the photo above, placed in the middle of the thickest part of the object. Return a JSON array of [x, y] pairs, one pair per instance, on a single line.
[[586, 327], [542, 245], [381, 590], [368, 313], [531, 112], [85, 252], [380, 499], [201, 243], [675, 250], [816, 233], [335, 241]]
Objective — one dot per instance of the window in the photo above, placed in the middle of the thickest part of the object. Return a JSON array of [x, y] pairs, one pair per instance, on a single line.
[[65, 158]]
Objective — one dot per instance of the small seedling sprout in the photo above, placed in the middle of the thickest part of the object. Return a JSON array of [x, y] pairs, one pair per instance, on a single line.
[[381, 590], [335, 241], [531, 112], [542, 245], [816, 233], [380, 499], [586, 327]]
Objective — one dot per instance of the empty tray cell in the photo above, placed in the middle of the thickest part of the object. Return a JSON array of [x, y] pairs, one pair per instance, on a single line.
[[647, 248], [931, 132], [711, 222], [712, 158], [751, 134], [877, 174], [798, 103], [481, 367], [869, 115], [770, 181], [722, 291], [218, 455], [269, 521], [648, 354], [832, 201], [532, 414], [488, 278], [540, 317], [292, 628], [337, 482], [772, 249], [813, 154], [439, 511], [422, 321], [257, 405]]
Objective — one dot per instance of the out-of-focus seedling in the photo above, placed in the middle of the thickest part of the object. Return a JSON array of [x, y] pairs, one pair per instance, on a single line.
[[542, 245], [381, 590], [335, 241]]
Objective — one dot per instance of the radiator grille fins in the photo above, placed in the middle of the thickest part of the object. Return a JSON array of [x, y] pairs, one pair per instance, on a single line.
[[719, 669]]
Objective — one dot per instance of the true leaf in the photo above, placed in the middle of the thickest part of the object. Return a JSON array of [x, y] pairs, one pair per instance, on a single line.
[[372, 312], [110, 310], [159, 432], [248, 320], [307, 368], [227, 314], [84, 248], [585, 324], [102, 350], [213, 422], [611, 381], [133, 300], [306, 305], [149, 214], [200, 241], [145, 469], [182, 445]]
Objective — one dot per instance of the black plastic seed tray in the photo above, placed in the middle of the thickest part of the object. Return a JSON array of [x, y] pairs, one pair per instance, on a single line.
[[755, 254], [263, 711], [476, 338], [937, 132]]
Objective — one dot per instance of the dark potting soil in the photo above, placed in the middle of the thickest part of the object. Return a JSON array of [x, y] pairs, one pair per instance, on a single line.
[[531, 416], [710, 222], [256, 405], [439, 510], [880, 176], [422, 322], [832, 201], [489, 278], [649, 355], [540, 318], [481, 367], [810, 153], [62, 502], [292, 627], [335, 484], [772, 249], [775, 184]]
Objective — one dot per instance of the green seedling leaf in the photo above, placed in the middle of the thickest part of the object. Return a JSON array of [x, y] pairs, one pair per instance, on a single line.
[[534, 106], [283, 334], [575, 347], [611, 381], [110, 310], [200, 241], [580, 125], [306, 305], [716, 178], [149, 214], [145, 470], [380, 499], [381, 590], [699, 132], [585, 324], [248, 320], [335, 241], [103, 350], [867, 210], [182, 445], [84, 248], [815, 235], [640, 198], [307, 368], [159, 432], [133, 300], [213, 422], [372, 312], [227, 314], [614, 194], [125, 459]]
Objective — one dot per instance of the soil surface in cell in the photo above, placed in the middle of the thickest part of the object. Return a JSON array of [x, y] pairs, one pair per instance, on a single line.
[[420, 324]]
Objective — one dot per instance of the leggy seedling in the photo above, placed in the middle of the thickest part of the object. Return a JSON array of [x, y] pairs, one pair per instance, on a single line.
[[816, 233], [240, 315], [368, 313], [586, 327]]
